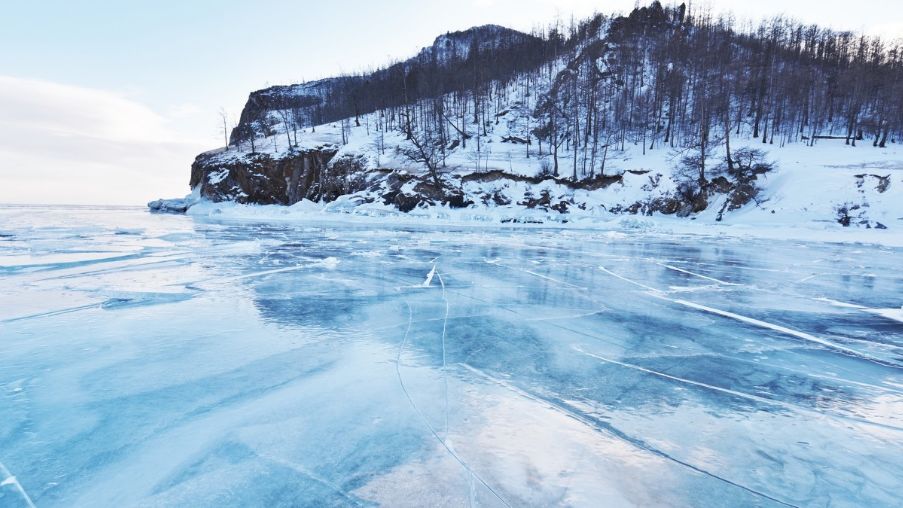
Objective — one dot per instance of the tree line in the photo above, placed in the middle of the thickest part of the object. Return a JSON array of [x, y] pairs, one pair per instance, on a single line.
[[668, 77], [659, 77]]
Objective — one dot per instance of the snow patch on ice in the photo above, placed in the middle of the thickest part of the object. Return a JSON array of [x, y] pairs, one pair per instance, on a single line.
[[330, 263], [429, 277]]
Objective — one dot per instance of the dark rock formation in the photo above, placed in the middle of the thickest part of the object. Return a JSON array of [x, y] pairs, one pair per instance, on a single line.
[[318, 174], [264, 179], [597, 182], [423, 192]]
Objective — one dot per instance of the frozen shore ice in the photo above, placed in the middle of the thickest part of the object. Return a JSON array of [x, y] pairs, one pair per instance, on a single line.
[[161, 360]]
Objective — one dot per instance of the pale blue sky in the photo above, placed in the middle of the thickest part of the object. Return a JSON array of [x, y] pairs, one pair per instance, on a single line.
[[107, 102]]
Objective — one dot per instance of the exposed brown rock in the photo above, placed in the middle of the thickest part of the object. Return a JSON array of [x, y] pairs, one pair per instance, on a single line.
[[263, 179]]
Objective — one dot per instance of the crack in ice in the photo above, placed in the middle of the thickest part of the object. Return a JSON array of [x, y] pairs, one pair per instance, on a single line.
[[601, 426], [735, 393], [706, 277], [444, 363], [298, 468], [657, 293], [785, 330], [423, 417], [756, 398], [541, 276]]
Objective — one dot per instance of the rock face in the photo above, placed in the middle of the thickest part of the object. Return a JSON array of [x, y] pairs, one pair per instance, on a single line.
[[263, 179], [321, 175]]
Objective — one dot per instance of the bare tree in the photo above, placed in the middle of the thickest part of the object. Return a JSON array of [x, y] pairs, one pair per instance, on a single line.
[[288, 124], [421, 150], [225, 118]]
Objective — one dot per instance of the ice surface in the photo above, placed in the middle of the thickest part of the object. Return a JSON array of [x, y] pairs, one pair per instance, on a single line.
[[158, 360]]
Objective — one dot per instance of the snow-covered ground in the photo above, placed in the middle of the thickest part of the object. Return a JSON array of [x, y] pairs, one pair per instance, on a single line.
[[161, 360], [800, 201], [812, 187], [502, 127]]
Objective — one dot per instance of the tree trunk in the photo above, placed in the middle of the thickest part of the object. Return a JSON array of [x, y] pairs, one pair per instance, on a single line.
[[727, 140]]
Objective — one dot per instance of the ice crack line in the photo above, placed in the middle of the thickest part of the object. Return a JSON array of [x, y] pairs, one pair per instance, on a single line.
[[706, 277], [778, 328], [426, 283], [307, 473], [423, 417], [541, 276], [53, 313], [9, 479], [735, 393], [719, 389], [444, 363], [601, 426], [657, 293]]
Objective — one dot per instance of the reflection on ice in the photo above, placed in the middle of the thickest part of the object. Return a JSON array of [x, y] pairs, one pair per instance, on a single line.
[[159, 360]]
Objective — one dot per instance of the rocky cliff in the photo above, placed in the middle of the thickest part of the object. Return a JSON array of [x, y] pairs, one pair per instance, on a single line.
[[265, 179]]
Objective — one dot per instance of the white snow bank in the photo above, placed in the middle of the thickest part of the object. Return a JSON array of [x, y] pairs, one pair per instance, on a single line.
[[516, 216]]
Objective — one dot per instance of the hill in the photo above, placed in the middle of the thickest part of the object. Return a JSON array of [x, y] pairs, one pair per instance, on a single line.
[[664, 111]]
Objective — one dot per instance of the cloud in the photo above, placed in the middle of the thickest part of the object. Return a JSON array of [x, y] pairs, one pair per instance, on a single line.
[[67, 144]]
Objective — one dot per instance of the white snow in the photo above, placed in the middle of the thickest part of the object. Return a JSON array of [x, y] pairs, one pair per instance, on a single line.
[[802, 196], [217, 176], [429, 277], [346, 211]]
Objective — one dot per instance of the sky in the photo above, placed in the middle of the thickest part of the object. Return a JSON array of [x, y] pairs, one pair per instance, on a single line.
[[107, 102]]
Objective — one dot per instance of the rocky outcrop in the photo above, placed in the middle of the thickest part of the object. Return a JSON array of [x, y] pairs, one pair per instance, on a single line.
[[407, 192], [321, 175], [596, 182], [265, 179]]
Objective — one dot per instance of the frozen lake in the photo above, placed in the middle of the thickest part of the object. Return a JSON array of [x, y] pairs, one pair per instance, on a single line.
[[170, 361]]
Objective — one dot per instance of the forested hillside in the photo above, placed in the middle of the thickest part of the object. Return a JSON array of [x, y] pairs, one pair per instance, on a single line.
[[661, 75], [696, 104]]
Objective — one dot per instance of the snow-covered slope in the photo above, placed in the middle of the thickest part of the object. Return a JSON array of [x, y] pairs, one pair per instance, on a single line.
[[826, 183], [492, 161]]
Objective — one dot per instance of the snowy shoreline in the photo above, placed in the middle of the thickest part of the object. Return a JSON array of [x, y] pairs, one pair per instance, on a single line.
[[518, 217]]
